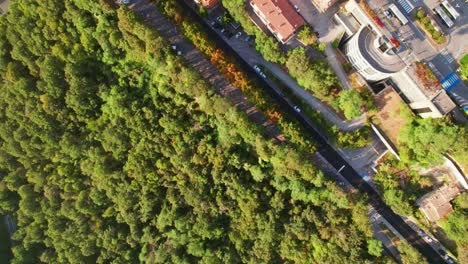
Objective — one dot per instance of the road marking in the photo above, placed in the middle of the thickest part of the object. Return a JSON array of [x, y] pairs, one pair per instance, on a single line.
[[342, 167]]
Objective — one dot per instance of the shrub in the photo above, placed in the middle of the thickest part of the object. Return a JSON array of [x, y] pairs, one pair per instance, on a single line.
[[464, 66], [351, 102], [307, 36], [425, 21], [420, 14], [440, 39]]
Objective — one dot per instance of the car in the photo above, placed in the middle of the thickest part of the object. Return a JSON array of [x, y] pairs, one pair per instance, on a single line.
[[263, 75], [227, 33], [449, 259], [420, 232], [297, 109], [247, 38], [256, 68], [219, 19], [179, 53], [387, 14], [174, 47], [341, 183], [223, 30], [238, 34], [124, 2], [442, 252], [297, 8], [428, 238]]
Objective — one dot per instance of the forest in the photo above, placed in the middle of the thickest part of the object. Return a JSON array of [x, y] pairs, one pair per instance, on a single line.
[[112, 150]]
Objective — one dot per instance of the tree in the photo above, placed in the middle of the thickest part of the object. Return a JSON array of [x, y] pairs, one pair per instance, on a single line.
[[375, 247], [315, 77], [112, 149], [351, 103], [409, 255], [464, 66], [428, 139], [307, 35]]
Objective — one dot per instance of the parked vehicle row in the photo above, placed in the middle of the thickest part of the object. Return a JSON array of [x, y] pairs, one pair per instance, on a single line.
[[226, 25]]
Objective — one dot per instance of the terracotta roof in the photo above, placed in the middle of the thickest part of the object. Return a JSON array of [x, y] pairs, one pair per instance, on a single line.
[[282, 18]]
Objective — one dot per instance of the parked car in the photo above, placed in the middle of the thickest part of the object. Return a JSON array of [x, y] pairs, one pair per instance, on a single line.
[[238, 34], [297, 8], [256, 68], [428, 238], [388, 14], [263, 75], [228, 34], [215, 24], [124, 2], [297, 109], [247, 38]]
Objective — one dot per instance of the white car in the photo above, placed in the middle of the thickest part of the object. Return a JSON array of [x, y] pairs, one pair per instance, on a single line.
[[297, 109], [238, 34], [263, 75], [297, 8], [124, 2], [256, 68], [428, 239]]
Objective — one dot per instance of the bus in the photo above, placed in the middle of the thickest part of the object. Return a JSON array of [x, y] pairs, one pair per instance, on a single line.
[[398, 14], [448, 22], [452, 12]]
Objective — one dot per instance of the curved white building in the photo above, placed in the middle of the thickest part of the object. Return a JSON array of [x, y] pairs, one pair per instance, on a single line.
[[371, 55]]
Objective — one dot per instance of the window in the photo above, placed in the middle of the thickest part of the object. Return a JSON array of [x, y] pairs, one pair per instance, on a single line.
[[422, 110]]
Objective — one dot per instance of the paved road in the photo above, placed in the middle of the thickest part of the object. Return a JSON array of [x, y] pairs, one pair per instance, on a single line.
[[148, 11]]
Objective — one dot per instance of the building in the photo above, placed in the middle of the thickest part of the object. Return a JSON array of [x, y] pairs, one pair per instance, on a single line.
[[436, 204], [377, 56], [279, 16], [371, 55], [207, 3], [323, 5]]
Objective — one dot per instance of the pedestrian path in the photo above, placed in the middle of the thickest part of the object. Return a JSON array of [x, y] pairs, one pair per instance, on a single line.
[[407, 6], [450, 81]]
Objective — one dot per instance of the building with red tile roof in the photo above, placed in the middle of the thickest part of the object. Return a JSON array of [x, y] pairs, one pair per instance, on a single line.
[[279, 16]]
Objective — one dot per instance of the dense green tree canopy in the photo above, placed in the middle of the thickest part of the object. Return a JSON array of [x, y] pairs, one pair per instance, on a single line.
[[113, 151], [315, 77], [350, 102], [426, 140]]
